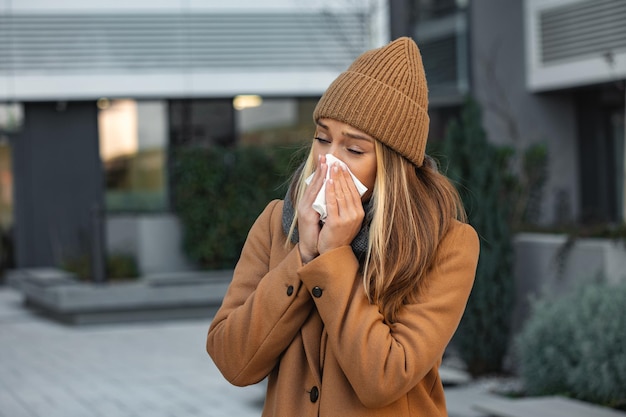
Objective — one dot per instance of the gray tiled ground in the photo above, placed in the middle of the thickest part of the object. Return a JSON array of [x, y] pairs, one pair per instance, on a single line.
[[125, 370], [147, 369]]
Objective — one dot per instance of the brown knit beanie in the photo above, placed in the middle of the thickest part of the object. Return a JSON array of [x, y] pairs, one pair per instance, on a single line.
[[384, 94]]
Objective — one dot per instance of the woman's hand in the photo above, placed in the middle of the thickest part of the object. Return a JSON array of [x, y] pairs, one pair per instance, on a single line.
[[344, 208], [308, 218]]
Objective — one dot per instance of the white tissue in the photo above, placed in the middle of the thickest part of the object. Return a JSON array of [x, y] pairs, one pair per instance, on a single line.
[[319, 204]]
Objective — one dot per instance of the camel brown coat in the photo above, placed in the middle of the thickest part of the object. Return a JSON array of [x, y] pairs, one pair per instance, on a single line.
[[325, 348]]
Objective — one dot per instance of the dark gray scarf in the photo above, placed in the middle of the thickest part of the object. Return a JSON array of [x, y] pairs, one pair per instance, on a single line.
[[359, 244]]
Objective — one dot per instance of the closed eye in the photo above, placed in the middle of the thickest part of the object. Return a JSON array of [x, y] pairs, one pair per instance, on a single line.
[[322, 140]]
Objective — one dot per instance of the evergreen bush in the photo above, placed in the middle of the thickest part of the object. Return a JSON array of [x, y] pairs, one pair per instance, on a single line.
[[481, 172], [576, 346], [219, 192], [119, 266]]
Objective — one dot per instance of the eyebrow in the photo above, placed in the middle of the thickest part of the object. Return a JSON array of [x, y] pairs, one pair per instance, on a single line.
[[351, 135]]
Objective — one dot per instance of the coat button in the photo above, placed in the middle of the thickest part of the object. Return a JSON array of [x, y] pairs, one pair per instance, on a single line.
[[314, 394], [317, 292], [290, 290]]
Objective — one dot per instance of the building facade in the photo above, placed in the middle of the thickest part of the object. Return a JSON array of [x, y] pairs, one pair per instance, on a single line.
[[544, 71], [94, 95], [549, 72]]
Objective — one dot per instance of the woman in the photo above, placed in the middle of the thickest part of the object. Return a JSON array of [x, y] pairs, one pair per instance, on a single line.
[[351, 316]]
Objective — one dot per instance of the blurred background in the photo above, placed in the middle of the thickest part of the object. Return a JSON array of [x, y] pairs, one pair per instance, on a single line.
[[139, 141]]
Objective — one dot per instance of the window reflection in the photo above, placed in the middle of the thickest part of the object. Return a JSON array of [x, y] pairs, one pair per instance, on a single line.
[[11, 117], [11, 120], [6, 185], [201, 123], [276, 121], [617, 120], [133, 150], [137, 136]]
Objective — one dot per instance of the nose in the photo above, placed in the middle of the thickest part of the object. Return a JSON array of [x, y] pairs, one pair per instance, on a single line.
[[333, 150]]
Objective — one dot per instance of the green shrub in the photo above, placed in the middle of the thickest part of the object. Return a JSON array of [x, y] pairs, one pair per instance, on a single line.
[[79, 265], [121, 266], [118, 266], [220, 192], [481, 171], [576, 346]]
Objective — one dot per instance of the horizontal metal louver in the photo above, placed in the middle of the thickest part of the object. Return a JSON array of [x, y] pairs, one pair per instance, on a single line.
[[440, 61], [106, 43], [582, 29]]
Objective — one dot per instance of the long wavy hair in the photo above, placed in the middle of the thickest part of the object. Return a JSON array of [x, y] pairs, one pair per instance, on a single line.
[[412, 210]]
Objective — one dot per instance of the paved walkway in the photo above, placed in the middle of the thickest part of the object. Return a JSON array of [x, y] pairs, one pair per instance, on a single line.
[[123, 370]]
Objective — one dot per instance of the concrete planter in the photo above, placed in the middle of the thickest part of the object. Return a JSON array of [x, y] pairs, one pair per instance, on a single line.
[[58, 295], [544, 265], [155, 240]]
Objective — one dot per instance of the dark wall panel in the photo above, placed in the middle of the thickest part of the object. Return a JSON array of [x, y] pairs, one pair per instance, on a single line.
[[58, 182]]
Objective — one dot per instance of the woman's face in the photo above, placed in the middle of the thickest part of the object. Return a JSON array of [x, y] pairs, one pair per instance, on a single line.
[[353, 146]]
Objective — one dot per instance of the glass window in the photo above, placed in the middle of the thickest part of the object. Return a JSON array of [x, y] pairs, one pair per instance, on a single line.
[[201, 122], [434, 9], [133, 150], [11, 120], [441, 30], [274, 120], [11, 117], [242, 120], [617, 121], [6, 184]]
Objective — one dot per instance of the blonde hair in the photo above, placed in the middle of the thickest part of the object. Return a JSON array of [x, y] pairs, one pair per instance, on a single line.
[[296, 189], [413, 208]]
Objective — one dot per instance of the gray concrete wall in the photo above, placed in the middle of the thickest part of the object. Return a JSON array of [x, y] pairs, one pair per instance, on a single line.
[[547, 265], [498, 79], [155, 240]]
